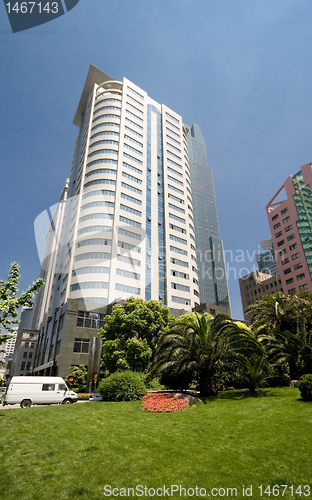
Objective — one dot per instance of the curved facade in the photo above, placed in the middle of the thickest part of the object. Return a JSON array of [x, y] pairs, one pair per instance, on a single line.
[[124, 225], [129, 225]]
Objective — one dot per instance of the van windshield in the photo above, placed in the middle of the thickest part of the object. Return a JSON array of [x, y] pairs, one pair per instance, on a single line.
[[62, 387]]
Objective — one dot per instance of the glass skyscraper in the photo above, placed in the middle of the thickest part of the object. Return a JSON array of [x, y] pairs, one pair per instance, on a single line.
[[213, 288]]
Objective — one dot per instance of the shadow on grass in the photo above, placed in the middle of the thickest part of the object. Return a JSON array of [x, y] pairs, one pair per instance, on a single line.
[[237, 395], [301, 400]]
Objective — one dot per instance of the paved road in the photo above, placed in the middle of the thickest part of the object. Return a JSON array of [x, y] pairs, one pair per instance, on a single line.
[[9, 407]]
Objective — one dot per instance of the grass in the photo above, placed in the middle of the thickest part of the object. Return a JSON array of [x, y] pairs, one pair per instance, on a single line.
[[73, 451]]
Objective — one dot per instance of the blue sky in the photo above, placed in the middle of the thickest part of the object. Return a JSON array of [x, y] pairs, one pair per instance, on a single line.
[[240, 69]]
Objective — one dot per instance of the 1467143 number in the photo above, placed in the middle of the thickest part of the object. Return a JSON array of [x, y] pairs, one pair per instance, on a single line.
[[32, 7], [280, 489]]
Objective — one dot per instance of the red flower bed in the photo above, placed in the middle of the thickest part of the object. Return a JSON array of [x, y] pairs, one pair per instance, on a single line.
[[163, 402]]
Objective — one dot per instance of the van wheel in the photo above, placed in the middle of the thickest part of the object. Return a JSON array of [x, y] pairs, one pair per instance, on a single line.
[[67, 401], [26, 403]]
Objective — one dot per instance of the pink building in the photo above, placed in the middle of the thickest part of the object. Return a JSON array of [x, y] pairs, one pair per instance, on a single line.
[[290, 218]]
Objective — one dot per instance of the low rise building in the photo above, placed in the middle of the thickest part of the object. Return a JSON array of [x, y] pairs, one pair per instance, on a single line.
[[24, 354], [256, 285]]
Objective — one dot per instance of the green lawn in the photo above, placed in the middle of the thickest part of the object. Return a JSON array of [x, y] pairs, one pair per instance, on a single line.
[[73, 451]]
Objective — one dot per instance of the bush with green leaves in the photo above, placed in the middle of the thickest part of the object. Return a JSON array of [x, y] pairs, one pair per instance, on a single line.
[[305, 387], [122, 386], [79, 374]]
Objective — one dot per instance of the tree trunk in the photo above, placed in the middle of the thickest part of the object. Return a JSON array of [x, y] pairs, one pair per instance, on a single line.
[[293, 370], [207, 386]]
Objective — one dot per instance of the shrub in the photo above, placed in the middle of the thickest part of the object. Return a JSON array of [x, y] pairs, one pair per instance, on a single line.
[[154, 384], [122, 386], [305, 387], [79, 374]]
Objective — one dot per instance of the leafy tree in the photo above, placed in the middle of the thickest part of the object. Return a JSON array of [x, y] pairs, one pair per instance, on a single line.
[[132, 354], [199, 345], [10, 303], [137, 318], [79, 374], [138, 354]]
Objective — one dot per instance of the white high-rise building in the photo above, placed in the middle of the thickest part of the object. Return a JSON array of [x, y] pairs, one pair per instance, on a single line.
[[123, 226]]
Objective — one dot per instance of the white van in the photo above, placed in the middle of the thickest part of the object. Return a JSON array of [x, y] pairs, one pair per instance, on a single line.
[[38, 390]]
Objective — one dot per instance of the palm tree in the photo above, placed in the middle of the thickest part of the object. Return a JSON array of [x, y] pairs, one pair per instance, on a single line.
[[200, 344], [280, 312], [256, 370], [293, 348]]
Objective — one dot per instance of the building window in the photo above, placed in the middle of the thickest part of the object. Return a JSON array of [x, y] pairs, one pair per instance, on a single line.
[[30, 355], [288, 282], [276, 225], [286, 219], [300, 276], [177, 286], [25, 355], [285, 261], [177, 228], [58, 347], [295, 256], [277, 235], [290, 237], [130, 210], [298, 266], [280, 243], [94, 241], [81, 345], [275, 217], [178, 250], [23, 365], [284, 211], [282, 252], [128, 274], [181, 300], [32, 345], [90, 319], [292, 247], [288, 228], [26, 345], [287, 271], [292, 290], [28, 365], [127, 289], [90, 270], [178, 274], [303, 287], [88, 284]]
